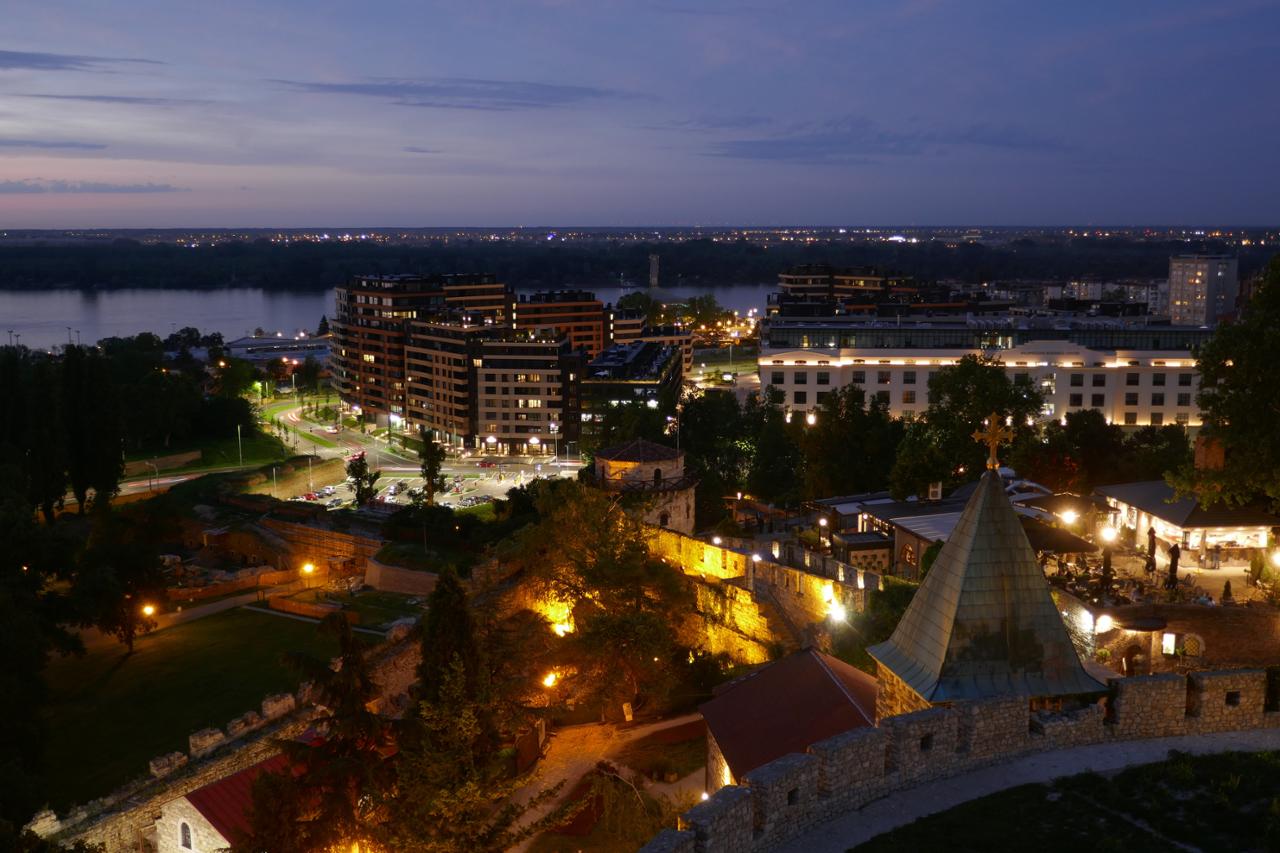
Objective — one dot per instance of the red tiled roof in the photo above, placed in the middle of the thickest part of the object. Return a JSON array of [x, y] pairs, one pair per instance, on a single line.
[[226, 803], [787, 705]]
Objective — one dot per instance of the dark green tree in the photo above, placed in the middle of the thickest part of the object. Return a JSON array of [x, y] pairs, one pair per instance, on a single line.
[[850, 446], [448, 637], [1240, 405], [334, 792], [322, 328], [363, 481], [431, 458]]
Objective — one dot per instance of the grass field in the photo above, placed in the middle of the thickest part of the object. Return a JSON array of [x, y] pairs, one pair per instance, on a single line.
[[110, 714], [376, 609], [1209, 802], [258, 449], [681, 750]]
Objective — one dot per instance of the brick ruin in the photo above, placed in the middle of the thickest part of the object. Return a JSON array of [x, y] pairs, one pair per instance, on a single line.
[[787, 797]]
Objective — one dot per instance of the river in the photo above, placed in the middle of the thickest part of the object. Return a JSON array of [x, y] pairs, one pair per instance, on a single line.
[[51, 317]]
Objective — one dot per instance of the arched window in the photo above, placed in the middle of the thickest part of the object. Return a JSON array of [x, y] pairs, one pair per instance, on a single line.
[[184, 836], [664, 520], [657, 476]]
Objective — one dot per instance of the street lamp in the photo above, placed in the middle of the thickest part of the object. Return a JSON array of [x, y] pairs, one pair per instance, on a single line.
[[1108, 534], [148, 610], [716, 540], [811, 419], [308, 569], [1070, 516], [550, 679]]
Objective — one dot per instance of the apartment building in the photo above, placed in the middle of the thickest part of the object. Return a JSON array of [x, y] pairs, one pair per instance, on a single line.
[[638, 372], [1202, 288], [819, 281], [527, 392], [1136, 375], [577, 314], [370, 328]]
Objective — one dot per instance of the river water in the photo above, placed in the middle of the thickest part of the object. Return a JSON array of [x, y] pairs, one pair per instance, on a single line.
[[48, 318]]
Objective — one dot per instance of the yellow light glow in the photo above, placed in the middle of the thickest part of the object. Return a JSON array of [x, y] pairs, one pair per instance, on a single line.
[[1104, 624], [837, 611], [550, 679], [148, 610], [726, 777], [1108, 534], [308, 568], [1070, 516]]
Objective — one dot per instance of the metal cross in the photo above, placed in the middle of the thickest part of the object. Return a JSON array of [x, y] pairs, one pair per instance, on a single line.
[[996, 434]]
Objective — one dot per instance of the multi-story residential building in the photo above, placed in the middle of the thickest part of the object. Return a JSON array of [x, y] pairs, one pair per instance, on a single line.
[[370, 331], [574, 313], [438, 356], [638, 372], [527, 392], [819, 281], [1137, 375], [625, 325], [1202, 288]]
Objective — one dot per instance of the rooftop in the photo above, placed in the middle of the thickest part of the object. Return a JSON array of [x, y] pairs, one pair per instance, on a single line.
[[1156, 497], [639, 450], [983, 622], [227, 803], [787, 705]]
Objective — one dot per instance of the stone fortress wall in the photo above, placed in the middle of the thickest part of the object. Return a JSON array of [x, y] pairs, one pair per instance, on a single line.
[[787, 797], [121, 821]]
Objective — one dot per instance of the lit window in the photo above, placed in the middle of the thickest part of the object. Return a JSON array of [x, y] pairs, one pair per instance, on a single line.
[[1169, 643]]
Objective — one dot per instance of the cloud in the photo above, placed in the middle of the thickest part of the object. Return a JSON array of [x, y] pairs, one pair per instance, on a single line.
[[711, 123], [50, 143], [413, 149], [854, 139], [40, 185], [461, 93], [15, 59], [118, 99]]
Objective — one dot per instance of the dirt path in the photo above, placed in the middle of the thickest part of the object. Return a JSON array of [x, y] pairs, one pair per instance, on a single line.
[[575, 750]]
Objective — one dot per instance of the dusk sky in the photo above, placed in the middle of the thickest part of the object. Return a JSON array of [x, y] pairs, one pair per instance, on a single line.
[[282, 113]]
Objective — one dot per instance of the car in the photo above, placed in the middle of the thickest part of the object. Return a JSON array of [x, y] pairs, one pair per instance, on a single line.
[[486, 463], [332, 430], [334, 502]]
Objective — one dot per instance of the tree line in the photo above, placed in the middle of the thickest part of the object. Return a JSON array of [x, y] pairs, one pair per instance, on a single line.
[[305, 265]]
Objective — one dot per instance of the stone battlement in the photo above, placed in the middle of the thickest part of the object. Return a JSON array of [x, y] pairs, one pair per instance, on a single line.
[[785, 798]]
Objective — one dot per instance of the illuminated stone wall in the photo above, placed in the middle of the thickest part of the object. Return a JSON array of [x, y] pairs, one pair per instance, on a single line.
[[894, 696], [834, 777]]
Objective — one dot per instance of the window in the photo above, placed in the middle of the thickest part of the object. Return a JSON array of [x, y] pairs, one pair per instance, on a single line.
[[1099, 380], [1182, 418], [909, 377], [1077, 380], [860, 377], [1157, 418], [1157, 399], [184, 836], [1131, 379], [1184, 399], [1022, 377], [824, 377], [776, 379], [1130, 418], [1131, 398], [908, 397], [926, 743], [1184, 380], [793, 796], [1233, 698], [1157, 379], [801, 398], [1169, 644], [1098, 400], [1075, 400], [883, 377], [882, 397], [801, 378]]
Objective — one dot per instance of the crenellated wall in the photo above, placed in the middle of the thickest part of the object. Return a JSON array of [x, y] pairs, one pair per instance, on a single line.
[[834, 777]]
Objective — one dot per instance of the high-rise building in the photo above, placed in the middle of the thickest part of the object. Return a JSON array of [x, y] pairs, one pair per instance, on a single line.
[[574, 313], [370, 328], [1202, 288]]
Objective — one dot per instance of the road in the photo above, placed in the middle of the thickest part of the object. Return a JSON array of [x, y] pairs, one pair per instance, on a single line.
[[481, 475]]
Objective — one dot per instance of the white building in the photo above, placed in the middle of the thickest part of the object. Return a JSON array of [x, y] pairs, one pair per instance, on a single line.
[[1151, 381], [1202, 288]]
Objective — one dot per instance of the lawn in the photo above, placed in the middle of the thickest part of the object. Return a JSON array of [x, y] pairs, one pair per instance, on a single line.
[[258, 449], [110, 714], [1209, 802]]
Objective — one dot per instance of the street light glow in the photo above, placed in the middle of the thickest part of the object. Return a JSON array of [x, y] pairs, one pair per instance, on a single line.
[[549, 680], [1108, 534], [308, 568], [811, 419], [1070, 516], [148, 610], [1104, 624]]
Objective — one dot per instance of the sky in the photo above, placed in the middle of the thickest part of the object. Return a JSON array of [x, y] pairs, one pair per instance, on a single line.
[[280, 113]]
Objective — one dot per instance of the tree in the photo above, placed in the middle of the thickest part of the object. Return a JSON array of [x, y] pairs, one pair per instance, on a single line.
[[850, 447], [363, 481], [322, 328], [334, 792], [119, 575], [1084, 452], [775, 470], [448, 638], [454, 792], [1240, 405], [717, 448], [431, 457], [940, 445], [309, 374]]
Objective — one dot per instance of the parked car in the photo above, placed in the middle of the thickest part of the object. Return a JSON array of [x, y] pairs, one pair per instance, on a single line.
[[485, 463], [333, 430]]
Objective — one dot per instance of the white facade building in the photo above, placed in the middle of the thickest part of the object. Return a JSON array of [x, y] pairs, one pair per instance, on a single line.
[[1202, 288], [1134, 376]]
